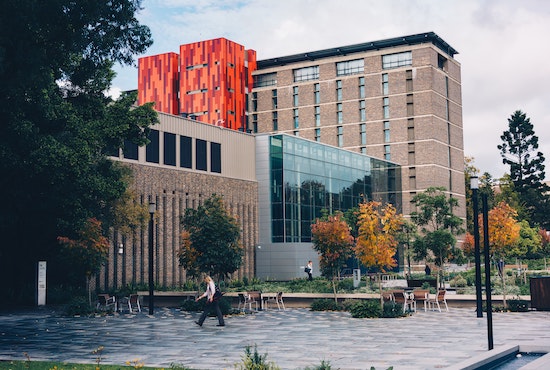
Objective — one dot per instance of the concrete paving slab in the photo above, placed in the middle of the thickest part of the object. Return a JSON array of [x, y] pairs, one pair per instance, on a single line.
[[293, 339]]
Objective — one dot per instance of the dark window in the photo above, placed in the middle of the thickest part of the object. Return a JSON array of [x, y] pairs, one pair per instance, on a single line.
[[200, 155], [130, 150], [152, 149], [186, 152], [216, 157], [169, 149]]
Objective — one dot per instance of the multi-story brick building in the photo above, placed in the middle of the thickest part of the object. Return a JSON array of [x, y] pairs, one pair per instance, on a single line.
[[397, 99]]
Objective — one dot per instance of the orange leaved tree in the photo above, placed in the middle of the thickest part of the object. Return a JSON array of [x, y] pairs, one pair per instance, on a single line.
[[376, 241], [89, 252], [504, 234], [331, 237]]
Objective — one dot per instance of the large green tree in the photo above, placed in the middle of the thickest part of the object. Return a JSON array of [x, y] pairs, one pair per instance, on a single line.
[[56, 61], [210, 240], [438, 225], [519, 150]]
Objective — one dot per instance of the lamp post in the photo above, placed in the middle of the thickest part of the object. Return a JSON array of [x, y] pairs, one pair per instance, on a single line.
[[487, 271], [474, 185], [151, 256]]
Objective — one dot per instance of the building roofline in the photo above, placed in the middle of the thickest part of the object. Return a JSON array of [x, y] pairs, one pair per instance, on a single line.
[[357, 48]]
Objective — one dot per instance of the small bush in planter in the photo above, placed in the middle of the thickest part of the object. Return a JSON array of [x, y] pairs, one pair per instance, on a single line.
[[325, 305], [392, 309], [79, 306], [366, 309], [518, 305]]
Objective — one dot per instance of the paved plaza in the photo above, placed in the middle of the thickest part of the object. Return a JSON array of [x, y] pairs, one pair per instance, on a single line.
[[293, 339]]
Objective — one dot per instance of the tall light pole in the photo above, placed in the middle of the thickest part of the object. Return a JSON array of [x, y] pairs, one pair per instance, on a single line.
[[474, 185], [152, 208], [485, 211]]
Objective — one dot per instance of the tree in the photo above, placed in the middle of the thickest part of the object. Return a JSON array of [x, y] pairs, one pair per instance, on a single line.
[[56, 61], [89, 251], [376, 241], [210, 240], [406, 237], [438, 225], [332, 238], [519, 150]]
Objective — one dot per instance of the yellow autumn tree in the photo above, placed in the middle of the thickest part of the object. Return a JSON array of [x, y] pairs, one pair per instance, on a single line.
[[376, 241], [503, 229], [504, 234]]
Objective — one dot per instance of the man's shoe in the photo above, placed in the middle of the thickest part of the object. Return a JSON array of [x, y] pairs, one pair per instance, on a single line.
[[220, 325], [198, 323]]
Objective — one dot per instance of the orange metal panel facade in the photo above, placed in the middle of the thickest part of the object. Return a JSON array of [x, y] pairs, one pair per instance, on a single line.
[[158, 82], [214, 82]]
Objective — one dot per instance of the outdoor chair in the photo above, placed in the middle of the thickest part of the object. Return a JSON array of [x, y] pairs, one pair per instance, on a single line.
[[421, 295], [244, 300], [133, 303], [277, 299], [403, 298], [387, 296], [106, 302], [439, 298]]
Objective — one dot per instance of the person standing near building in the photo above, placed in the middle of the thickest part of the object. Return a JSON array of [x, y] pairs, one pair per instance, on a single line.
[[212, 302], [309, 270]]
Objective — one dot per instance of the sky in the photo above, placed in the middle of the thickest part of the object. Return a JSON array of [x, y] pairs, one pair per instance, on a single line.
[[504, 56]]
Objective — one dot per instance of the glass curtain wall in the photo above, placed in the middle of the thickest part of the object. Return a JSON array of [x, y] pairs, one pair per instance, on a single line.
[[309, 177]]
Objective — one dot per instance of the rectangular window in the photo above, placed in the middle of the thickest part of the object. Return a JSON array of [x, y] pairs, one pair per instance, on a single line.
[[362, 111], [397, 60], [441, 61], [186, 152], [361, 87], [296, 118], [340, 136], [363, 132], [410, 105], [317, 116], [339, 114], [386, 107], [169, 149], [130, 150], [386, 131], [409, 80], [363, 150], [338, 90], [216, 157], [317, 134], [152, 149], [267, 79], [306, 74], [350, 67], [200, 155], [295, 96], [385, 84], [387, 153], [316, 94], [275, 121]]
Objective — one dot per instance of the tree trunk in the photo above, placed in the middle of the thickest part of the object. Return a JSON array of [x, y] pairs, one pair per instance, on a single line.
[[334, 289], [380, 290]]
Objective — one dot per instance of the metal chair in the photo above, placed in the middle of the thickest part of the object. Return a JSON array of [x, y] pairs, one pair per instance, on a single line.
[[278, 299], [421, 295], [244, 299], [403, 298], [106, 302], [439, 298], [133, 302]]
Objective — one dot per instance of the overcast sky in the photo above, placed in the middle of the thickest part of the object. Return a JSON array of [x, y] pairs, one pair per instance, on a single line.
[[501, 46]]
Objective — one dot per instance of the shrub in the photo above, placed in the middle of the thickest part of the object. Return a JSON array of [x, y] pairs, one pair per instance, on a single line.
[[518, 305], [366, 309], [458, 281], [255, 361], [191, 306], [326, 305], [392, 309], [325, 365], [79, 306]]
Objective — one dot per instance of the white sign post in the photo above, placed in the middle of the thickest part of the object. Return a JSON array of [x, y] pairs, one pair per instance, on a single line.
[[356, 278], [41, 283]]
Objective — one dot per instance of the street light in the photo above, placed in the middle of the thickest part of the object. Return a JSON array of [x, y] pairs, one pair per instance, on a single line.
[[474, 185], [152, 208], [485, 211]]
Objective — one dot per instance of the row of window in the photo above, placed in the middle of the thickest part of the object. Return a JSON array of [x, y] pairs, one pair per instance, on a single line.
[[345, 68], [202, 151]]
